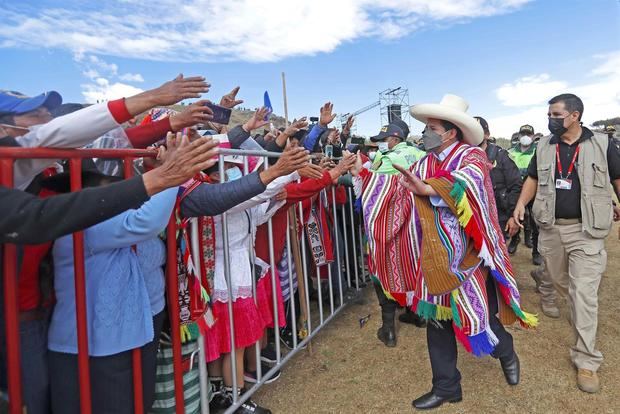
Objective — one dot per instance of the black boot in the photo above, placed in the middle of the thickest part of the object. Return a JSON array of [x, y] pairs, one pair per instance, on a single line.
[[514, 243], [512, 369], [387, 332], [219, 402]]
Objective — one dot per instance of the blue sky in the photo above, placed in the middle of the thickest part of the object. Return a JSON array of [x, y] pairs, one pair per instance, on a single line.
[[506, 57]]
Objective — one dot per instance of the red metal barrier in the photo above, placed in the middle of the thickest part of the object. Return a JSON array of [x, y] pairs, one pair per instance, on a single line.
[[7, 157]]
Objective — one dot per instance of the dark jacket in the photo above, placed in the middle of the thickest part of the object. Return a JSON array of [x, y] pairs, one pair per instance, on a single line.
[[506, 180]]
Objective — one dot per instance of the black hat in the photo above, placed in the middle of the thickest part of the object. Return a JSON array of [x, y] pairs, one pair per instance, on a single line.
[[484, 124], [526, 129], [61, 183], [387, 131]]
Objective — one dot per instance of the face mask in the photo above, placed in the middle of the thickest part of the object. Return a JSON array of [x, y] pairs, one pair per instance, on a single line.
[[525, 140], [233, 174], [556, 126], [384, 147], [372, 155], [431, 139]]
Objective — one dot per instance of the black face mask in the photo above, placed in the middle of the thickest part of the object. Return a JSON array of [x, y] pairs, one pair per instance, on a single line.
[[556, 126]]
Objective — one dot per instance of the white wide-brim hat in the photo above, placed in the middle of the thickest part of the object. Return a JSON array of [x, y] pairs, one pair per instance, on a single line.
[[452, 108]]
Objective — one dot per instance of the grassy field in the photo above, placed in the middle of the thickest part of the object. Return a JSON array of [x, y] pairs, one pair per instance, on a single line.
[[350, 371]]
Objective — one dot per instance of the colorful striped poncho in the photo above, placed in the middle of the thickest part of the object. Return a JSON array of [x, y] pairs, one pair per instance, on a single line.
[[436, 259]]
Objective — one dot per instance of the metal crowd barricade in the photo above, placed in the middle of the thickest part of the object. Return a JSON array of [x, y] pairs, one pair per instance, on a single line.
[[10, 266]]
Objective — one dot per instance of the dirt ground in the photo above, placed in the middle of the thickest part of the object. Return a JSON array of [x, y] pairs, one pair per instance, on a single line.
[[350, 371]]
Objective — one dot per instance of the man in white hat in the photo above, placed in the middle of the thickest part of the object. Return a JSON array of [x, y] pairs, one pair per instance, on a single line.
[[441, 250]]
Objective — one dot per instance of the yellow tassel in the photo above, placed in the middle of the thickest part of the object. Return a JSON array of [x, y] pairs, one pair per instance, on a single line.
[[443, 313], [530, 319], [185, 335], [464, 212]]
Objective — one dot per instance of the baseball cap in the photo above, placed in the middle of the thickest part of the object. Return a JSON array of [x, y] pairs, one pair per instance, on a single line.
[[483, 123], [16, 103], [526, 129], [402, 125], [390, 130], [610, 128]]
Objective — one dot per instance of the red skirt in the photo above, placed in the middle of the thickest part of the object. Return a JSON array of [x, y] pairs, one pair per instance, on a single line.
[[249, 327], [264, 295]]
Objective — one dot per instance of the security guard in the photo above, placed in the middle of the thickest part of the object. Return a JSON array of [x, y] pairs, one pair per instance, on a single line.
[[570, 178]]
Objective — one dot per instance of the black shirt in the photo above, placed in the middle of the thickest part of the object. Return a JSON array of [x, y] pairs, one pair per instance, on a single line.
[[568, 202]]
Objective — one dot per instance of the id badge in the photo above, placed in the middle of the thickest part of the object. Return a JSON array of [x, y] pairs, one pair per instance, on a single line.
[[563, 184]]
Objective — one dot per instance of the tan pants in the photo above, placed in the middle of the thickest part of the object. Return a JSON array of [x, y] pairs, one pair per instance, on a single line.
[[576, 263]]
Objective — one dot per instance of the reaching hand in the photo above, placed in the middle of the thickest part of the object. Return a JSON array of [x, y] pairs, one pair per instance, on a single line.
[[326, 163], [347, 128], [230, 99], [518, 214], [178, 89], [257, 120], [616, 213], [182, 160], [311, 171], [326, 115], [196, 113], [358, 165], [295, 127], [411, 182], [291, 160], [333, 137]]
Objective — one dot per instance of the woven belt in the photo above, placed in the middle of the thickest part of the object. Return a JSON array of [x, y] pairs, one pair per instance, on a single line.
[[567, 222]]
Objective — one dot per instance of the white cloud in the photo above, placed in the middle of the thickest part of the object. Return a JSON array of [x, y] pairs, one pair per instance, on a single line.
[[599, 90], [529, 90], [224, 30], [131, 77], [103, 90]]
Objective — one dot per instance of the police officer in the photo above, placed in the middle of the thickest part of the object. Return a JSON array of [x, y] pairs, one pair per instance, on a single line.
[[522, 154]]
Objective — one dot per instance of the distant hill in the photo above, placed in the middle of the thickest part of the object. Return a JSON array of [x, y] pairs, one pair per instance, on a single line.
[[240, 116]]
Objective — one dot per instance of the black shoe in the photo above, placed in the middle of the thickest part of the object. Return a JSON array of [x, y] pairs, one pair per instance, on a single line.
[[268, 354], [514, 243], [537, 259], [248, 407], [432, 400], [412, 318], [387, 336], [252, 377], [219, 402], [512, 369]]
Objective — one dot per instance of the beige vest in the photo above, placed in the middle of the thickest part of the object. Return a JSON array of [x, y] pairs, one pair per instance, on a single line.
[[591, 166]]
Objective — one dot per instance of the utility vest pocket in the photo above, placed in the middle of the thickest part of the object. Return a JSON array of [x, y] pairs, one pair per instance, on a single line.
[[601, 178], [543, 211], [601, 210]]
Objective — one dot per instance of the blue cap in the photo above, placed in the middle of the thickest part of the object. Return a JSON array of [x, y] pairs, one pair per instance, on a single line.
[[391, 130], [15, 103]]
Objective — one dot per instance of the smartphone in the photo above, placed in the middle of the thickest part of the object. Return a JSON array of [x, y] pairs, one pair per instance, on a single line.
[[353, 148], [267, 104], [329, 151], [221, 115]]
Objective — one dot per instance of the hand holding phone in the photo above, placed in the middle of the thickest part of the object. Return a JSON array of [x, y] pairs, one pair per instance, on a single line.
[[221, 115]]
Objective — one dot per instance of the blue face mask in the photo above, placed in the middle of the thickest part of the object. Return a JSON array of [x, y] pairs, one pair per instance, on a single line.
[[233, 174]]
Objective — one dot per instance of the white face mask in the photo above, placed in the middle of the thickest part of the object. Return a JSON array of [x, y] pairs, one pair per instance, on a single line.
[[372, 155], [525, 140], [384, 147]]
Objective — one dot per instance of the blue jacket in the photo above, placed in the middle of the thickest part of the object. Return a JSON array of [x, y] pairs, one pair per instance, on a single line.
[[123, 291]]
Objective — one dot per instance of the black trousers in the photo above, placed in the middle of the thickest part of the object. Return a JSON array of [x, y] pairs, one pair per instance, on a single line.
[[111, 379], [443, 352]]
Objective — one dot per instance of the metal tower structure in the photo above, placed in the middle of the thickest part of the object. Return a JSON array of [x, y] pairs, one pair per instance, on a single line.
[[394, 104]]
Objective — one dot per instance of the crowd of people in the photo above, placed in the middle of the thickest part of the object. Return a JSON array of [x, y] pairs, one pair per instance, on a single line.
[[441, 220]]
